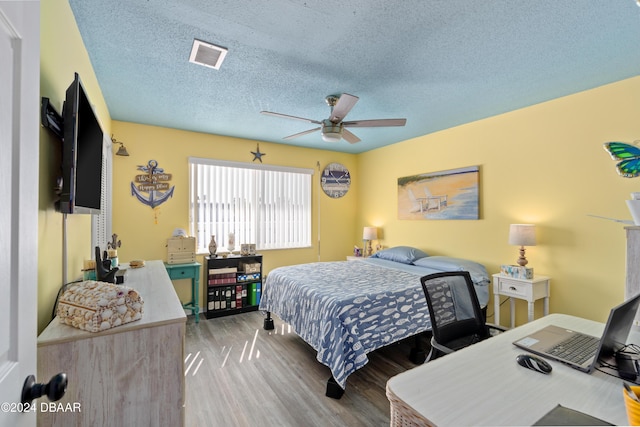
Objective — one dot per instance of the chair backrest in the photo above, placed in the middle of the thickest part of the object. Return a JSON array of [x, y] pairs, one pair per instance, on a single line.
[[453, 306]]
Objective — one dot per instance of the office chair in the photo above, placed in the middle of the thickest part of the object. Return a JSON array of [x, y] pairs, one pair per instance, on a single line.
[[456, 318]]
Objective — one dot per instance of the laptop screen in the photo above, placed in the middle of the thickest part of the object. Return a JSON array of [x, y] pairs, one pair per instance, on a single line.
[[618, 326]]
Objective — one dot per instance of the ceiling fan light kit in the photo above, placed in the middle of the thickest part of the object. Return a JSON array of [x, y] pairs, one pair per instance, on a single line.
[[331, 132], [334, 129]]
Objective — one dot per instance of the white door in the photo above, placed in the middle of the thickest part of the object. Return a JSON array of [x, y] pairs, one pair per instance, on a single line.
[[19, 165]]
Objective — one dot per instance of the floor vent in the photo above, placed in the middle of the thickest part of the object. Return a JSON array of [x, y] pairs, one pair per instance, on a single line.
[[206, 54]]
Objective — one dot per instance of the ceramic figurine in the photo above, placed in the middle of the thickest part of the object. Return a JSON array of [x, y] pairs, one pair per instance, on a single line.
[[104, 272]]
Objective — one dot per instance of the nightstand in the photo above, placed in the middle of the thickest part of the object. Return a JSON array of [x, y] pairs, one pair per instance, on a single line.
[[525, 289], [354, 258]]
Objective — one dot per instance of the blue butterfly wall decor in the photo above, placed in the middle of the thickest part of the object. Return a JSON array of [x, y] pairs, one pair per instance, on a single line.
[[628, 156]]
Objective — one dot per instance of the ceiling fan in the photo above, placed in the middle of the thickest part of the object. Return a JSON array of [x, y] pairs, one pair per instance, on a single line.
[[334, 129]]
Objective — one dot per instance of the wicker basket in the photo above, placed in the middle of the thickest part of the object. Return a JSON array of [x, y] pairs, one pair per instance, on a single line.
[[403, 415]]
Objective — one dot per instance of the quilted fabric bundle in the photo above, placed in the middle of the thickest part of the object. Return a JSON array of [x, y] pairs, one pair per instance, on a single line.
[[98, 306]]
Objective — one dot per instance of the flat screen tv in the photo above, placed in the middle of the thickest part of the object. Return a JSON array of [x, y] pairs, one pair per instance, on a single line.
[[81, 154]]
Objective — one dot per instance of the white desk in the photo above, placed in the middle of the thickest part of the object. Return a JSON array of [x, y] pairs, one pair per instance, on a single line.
[[483, 385]]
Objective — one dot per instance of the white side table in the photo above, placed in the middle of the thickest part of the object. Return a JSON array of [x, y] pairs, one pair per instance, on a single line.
[[525, 289], [354, 258]]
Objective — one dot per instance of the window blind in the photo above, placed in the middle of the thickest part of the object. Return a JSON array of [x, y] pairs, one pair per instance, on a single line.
[[101, 223], [262, 204]]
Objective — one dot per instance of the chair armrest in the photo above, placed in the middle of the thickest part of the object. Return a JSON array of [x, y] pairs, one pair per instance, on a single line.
[[440, 347]]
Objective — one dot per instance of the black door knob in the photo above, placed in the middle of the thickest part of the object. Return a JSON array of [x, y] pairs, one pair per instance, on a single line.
[[54, 389]]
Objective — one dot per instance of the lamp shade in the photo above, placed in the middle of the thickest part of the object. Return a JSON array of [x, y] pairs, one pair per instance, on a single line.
[[370, 233], [522, 234]]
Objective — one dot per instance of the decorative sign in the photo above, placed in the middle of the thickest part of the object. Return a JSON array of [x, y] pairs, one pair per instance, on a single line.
[[152, 188]]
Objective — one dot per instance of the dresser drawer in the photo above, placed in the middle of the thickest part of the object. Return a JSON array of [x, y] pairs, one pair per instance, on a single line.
[[181, 272], [514, 288]]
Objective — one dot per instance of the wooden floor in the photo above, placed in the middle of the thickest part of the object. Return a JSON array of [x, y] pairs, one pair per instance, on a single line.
[[238, 374]]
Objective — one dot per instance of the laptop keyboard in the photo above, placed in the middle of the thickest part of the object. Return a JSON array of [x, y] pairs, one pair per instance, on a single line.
[[577, 349]]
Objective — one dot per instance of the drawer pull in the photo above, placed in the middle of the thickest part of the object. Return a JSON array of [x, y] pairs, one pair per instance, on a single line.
[[513, 288]]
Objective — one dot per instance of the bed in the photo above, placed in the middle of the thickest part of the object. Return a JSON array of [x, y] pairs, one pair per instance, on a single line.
[[346, 309]]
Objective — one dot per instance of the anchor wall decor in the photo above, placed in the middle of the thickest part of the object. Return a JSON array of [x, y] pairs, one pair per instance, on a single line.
[[152, 188]]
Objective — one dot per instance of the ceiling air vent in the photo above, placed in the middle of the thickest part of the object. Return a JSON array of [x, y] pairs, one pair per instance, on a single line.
[[209, 55]]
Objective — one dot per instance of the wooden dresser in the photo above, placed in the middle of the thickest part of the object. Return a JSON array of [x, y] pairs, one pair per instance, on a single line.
[[131, 375]]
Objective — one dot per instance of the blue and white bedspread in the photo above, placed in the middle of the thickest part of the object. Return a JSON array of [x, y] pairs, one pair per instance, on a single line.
[[347, 309]]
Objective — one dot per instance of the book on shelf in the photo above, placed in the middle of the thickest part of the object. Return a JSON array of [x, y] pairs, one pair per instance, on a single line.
[[223, 270], [221, 279], [258, 292], [216, 299], [223, 299], [239, 296], [254, 291], [245, 301], [232, 299]]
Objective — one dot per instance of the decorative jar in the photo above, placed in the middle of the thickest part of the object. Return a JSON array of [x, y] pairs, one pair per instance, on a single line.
[[213, 246], [232, 242]]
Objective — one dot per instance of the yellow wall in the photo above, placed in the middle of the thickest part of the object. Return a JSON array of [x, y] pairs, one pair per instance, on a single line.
[[544, 164], [62, 53], [144, 231]]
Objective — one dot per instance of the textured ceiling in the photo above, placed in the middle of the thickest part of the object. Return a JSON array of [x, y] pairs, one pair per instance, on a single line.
[[437, 63]]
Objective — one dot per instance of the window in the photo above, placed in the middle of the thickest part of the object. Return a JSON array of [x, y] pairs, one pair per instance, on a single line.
[[262, 204]]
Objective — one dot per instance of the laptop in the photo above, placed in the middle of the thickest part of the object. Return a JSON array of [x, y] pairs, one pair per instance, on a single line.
[[562, 344]]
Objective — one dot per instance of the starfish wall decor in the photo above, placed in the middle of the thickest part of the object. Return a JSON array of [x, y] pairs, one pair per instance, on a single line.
[[257, 155]]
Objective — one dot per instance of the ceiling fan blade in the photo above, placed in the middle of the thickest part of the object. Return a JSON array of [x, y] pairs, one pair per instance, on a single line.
[[375, 123], [349, 137], [343, 106], [286, 116], [295, 135]]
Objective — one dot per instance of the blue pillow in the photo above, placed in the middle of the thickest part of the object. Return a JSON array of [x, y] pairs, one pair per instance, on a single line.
[[402, 254], [444, 263]]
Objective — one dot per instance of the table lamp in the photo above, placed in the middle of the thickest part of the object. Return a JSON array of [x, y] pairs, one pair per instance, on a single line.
[[369, 234], [522, 235]]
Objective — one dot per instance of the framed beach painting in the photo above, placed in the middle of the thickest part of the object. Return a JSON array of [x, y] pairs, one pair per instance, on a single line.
[[449, 194]]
